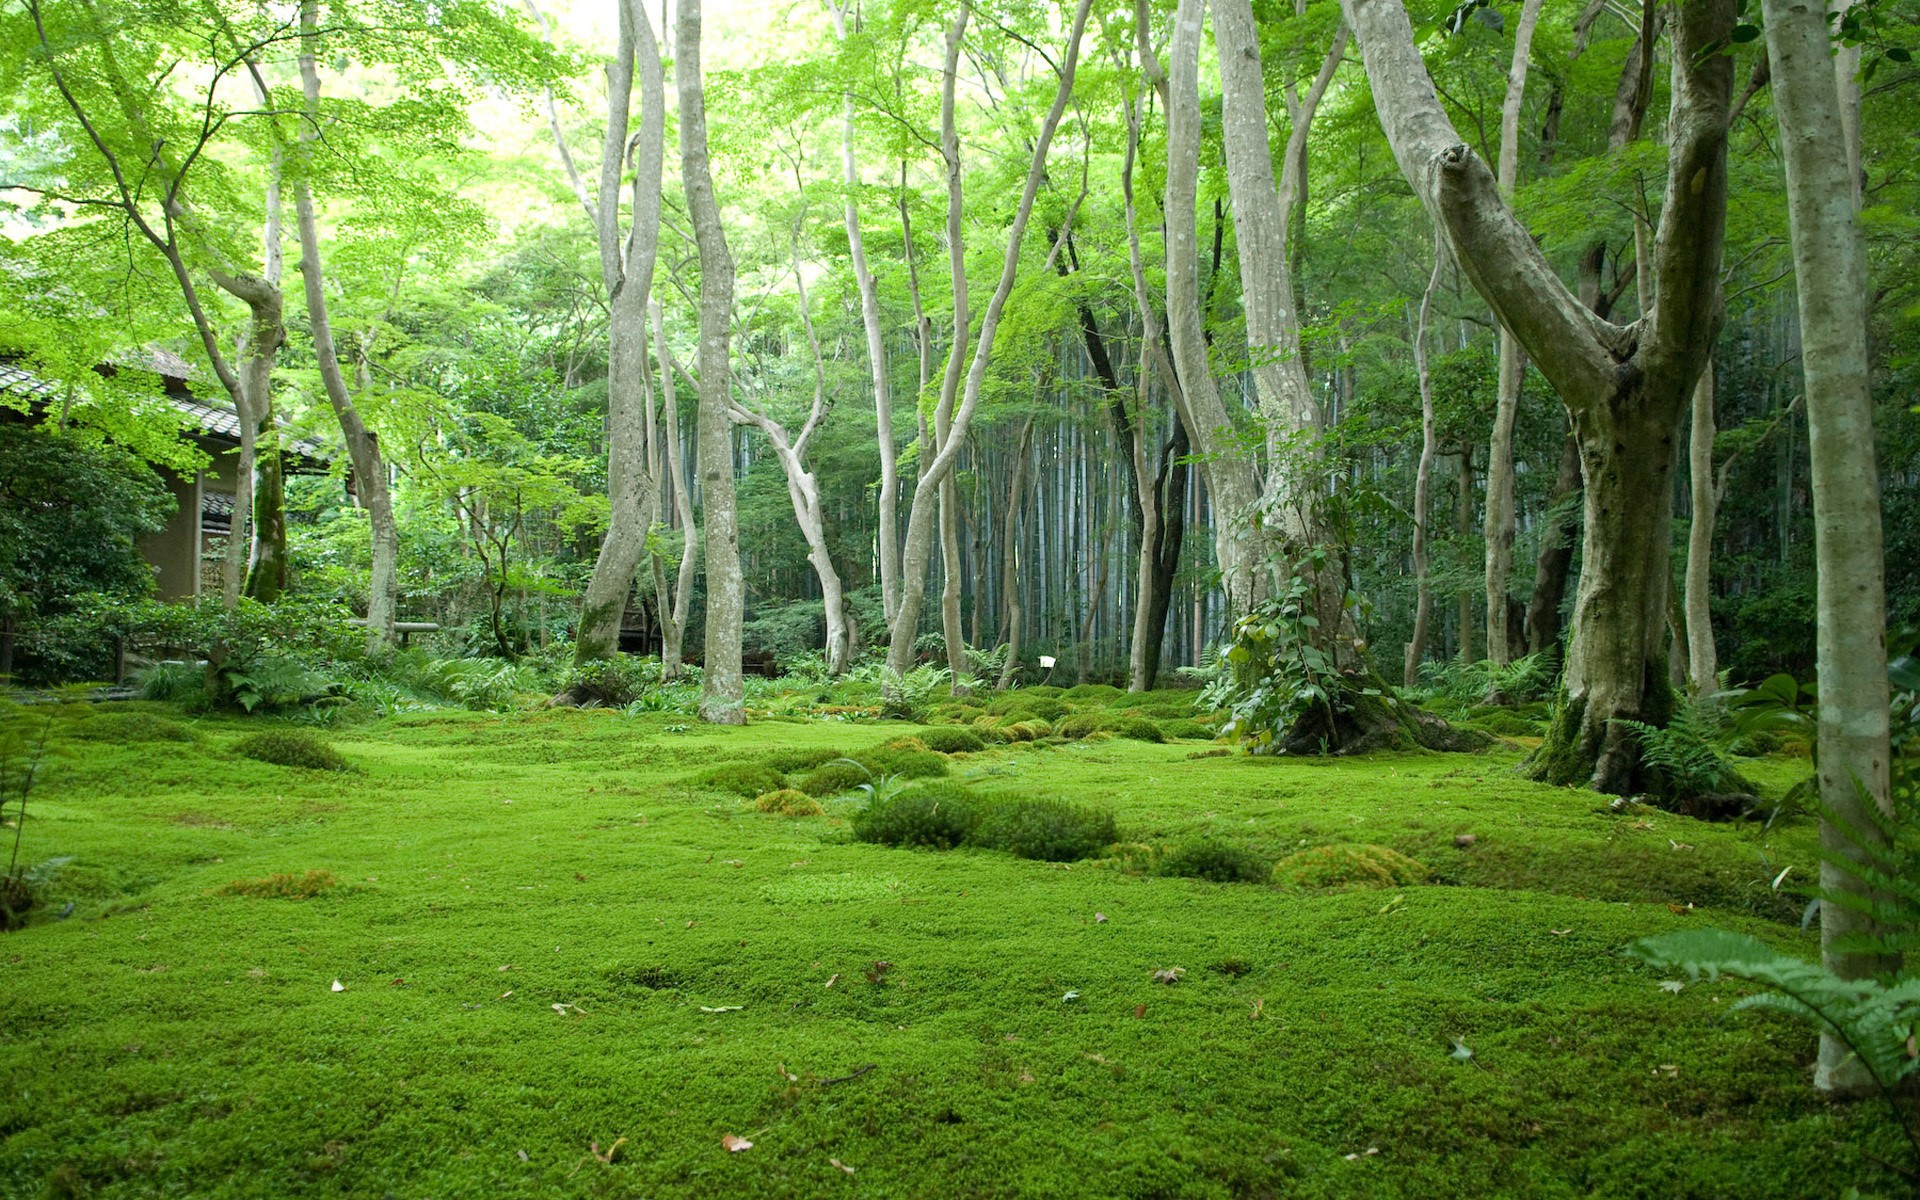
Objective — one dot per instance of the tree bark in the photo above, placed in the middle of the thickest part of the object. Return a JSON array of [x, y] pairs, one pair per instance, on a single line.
[[1500, 522], [1554, 560], [1241, 541], [673, 615], [957, 405], [722, 692], [1423, 476], [1811, 102], [626, 268], [1625, 386], [363, 446], [1703, 662], [1010, 556]]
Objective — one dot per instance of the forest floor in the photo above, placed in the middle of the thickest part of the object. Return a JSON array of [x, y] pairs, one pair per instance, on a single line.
[[556, 964]]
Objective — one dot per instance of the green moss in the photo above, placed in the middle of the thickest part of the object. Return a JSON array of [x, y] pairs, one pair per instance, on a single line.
[[743, 779], [788, 802], [787, 761], [1093, 693], [1050, 829], [130, 728], [291, 748], [1080, 725], [938, 816], [833, 779], [952, 741], [1139, 729], [1348, 864], [1187, 730]]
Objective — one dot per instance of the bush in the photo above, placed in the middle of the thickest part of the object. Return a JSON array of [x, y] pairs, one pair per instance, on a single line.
[[788, 802], [834, 778], [284, 886], [291, 748], [1208, 858], [952, 740], [744, 779], [1046, 829], [938, 815], [614, 682], [1349, 864], [169, 681], [1139, 729]]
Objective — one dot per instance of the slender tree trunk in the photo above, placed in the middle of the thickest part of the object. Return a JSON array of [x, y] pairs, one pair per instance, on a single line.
[[952, 634], [1813, 105], [1554, 561], [673, 610], [1463, 530], [957, 405], [722, 695], [626, 265], [1626, 387], [1010, 555], [1500, 523], [1423, 475], [363, 446], [1703, 663]]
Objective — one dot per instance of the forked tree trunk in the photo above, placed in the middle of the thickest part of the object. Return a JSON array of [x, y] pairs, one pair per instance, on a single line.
[[363, 447], [1626, 387], [1813, 108], [722, 692], [1513, 365], [626, 268]]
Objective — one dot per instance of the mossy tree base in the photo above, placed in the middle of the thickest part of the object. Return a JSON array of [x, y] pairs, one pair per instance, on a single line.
[[1365, 717]]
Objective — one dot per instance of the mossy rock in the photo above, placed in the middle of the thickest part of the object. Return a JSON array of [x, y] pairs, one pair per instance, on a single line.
[[743, 779], [788, 802], [1348, 864], [291, 748], [952, 740]]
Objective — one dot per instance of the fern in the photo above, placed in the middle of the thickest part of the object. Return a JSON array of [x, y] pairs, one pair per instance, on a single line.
[[1683, 757]]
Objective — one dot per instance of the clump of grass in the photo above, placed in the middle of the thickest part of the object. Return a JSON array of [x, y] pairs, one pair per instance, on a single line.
[[292, 748], [940, 815], [1213, 859], [1046, 829], [743, 779], [788, 802], [283, 886], [1349, 864], [952, 739]]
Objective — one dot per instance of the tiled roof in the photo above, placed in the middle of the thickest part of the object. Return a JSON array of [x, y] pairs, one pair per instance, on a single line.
[[212, 420]]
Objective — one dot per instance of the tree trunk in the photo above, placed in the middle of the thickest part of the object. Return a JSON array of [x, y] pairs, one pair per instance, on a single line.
[[722, 692], [951, 634], [955, 412], [363, 446], [1554, 561], [1241, 541], [1626, 387], [1500, 522], [1703, 662], [1010, 556], [1423, 476], [626, 267], [673, 616], [1812, 104]]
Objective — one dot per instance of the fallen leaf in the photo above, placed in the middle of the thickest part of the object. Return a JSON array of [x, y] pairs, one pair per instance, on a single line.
[[734, 862], [1392, 905], [835, 979], [1559, 932], [523, 1156], [1461, 1052], [734, 1144], [1070, 997], [1671, 985], [505, 994], [780, 1069], [1099, 918], [1356, 1156], [1680, 910], [338, 986], [507, 967], [1464, 840], [722, 1008], [844, 1167], [1259, 1006], [562, 1009], [594, 1149], [398, 983], [1139, 1011], [1679, 845], [1169, 975]]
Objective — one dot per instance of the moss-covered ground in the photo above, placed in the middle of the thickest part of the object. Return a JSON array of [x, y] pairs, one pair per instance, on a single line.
[[550, 938]]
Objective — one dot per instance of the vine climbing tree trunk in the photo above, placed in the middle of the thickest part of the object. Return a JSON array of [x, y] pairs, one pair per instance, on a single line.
[[1625, 386], [722, 691]]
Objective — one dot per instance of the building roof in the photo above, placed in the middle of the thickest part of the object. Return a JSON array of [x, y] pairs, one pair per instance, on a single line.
[[218, 422]]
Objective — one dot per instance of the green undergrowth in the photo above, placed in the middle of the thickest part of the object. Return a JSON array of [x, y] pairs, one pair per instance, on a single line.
[[550, 932]]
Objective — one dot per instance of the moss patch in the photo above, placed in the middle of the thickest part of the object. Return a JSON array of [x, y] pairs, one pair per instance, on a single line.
[[1348, 864]]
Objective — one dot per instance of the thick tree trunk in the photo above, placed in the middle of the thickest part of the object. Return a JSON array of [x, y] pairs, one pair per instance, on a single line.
[[626, 267], [1242, 544], [1813, 106], [1500, 522], [957, 404], [722, 694], [363, 447], [1703, 661], [1626, 387]]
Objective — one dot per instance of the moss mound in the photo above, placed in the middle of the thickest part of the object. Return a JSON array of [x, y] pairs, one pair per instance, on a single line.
[[952, 740], [129, 728], [743, 779], [1093, 693], [788, 802], [938, 815], [1139, 729], [834, 778], [1079, 725], [1187, 730], [788, 761], [283, 886], [291, 748], [1046, 829], [1348, 864], [1212, 859]]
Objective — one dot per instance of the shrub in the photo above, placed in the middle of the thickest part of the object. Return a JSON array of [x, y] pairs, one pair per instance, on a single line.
[[284, 886], [1209, 858], [789, 802], [938, 815], [1187, 730], [291, 748], [1139, 729], [169, 681], [788, 761], [1046, 829], [952, 740], [833, 778], [614, 682], [480, 684], [744, 779], [129, 727], [1349, 864]]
